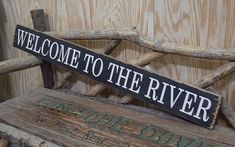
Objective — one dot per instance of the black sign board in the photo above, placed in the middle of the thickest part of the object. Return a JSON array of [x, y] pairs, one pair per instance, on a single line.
[[193, 104]]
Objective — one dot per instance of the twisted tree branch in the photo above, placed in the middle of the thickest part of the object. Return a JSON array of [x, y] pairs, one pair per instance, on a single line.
[[17, 64], [133, 36]]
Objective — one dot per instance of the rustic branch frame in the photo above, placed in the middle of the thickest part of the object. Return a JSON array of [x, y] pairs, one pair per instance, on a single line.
[[158, 48]]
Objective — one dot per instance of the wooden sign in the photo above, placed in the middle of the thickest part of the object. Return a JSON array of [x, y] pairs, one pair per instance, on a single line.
[[69, 120], [193, 104]]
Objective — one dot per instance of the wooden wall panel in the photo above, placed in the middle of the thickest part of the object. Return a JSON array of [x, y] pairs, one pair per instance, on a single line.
[[110, 15], [17, 12], [203, 23]]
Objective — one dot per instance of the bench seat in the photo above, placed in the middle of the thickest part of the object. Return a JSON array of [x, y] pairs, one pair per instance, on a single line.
[[46, 117]]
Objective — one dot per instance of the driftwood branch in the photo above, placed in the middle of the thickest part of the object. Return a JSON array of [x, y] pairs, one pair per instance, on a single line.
[[157, 45], [142, 61], [216, 75], [107, 50], [228, 112], [111, 46], [17, 64], [60, 83]]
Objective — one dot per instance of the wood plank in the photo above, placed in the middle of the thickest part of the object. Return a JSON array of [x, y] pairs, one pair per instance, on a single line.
[[41, 24], [106, 15], [179, 21], [19, 137], [79, 121], [201, 108], [201, 23]]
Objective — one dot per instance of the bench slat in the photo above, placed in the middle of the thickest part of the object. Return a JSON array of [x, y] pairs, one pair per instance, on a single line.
[[69, 120]]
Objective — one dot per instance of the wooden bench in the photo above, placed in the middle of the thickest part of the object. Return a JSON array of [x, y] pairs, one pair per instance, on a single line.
[[61, 119], [46, 117]]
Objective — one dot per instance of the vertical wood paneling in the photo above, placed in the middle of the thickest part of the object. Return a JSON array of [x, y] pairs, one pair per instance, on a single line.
[[18, 13], [110, 15], [203, 23], [4, 89]]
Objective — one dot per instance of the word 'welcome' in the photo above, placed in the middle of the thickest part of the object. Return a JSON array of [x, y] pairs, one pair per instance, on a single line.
[[190, 103]]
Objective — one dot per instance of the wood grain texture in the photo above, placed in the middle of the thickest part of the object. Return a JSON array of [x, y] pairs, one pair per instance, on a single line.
[[113, 15], [17, 64], [141, 61], [158, 45], [40, 23], [21, 137], [107, 50], [4, 79], [69, 120], [201, 23], [18, 13]]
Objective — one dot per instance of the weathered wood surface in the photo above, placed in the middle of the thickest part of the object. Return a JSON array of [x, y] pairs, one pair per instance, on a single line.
[[147, 58], [17, 64], [79, 121], [40, 23], [4, 143], [142, 61], [206, 23], [215, 75], [22, 138], [107, 50], [126, 78], [204, 82], [157, 45]]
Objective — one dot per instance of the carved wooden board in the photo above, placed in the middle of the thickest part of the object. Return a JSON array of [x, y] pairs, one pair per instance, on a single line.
[[79, 121], [193, 104]]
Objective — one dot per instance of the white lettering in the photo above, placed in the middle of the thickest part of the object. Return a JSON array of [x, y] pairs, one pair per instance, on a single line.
[[173, 100], [188, 103], [54, 52], [137, 77], [35, 46], [152, 88], [113, 67], [89, 58], [124, 77], [63, 57], [29, 45], [163, 92], [200, 107], [21, 37], [48, 42], [74, 60], [100, 69]]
